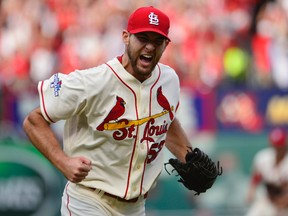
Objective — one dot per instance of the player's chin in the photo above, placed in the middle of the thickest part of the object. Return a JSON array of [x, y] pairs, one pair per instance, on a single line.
[[144, 74], [146, 69]]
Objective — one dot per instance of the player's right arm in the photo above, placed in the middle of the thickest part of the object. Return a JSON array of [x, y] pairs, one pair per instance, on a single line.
[[44, 139]]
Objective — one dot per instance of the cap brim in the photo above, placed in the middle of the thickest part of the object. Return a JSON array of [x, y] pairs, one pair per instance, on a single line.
[[149, 30]]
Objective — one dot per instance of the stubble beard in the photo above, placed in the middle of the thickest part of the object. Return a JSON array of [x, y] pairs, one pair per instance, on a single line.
[[137, 71]]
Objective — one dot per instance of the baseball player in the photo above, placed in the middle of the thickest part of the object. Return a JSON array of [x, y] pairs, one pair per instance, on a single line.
[[270, 169], [119, 116]]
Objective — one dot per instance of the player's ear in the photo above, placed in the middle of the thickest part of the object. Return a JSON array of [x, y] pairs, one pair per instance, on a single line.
[[166, 43], [125, 37]]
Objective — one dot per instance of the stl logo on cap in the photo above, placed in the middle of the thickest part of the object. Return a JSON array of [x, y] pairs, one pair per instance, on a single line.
[[153, 19]]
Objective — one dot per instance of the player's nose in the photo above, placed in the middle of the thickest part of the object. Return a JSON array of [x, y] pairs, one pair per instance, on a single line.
[[150, 46]]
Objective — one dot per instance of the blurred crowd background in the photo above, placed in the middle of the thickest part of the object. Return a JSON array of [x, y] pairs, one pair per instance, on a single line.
[[231, 57], [215, 44]]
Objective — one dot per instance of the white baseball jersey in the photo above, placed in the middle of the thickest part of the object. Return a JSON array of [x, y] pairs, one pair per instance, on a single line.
[[114, 120], [264, 164]]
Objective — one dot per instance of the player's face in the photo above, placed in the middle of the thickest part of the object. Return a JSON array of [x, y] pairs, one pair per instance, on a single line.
[[144, 51]]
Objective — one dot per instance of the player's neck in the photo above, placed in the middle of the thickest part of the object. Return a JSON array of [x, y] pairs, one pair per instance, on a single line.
[[125, 63], [280, 156], [129, 68]]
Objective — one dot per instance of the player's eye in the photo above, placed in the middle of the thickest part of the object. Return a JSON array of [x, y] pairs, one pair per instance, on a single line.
[[142, 39], [159, 41]]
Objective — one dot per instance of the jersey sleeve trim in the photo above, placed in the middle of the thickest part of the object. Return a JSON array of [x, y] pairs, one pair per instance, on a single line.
[[42, 103]]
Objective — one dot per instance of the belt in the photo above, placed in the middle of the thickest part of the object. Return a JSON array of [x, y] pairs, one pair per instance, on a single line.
[[119, 198], [124, 200]]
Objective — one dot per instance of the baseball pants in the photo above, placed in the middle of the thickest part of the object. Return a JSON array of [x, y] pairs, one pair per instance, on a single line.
[[78, 200]]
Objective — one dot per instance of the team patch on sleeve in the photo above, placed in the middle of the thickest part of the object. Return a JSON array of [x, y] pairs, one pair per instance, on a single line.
[[56, 84]]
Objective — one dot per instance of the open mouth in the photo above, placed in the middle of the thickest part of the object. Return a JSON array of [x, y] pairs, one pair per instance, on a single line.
[[146, 58]]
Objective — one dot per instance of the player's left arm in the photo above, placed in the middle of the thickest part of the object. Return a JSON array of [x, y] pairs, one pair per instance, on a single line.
[[177, 141]]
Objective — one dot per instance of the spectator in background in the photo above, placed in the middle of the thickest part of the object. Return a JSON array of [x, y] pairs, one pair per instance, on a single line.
[[270, 169], [269, 45], [67, 34]]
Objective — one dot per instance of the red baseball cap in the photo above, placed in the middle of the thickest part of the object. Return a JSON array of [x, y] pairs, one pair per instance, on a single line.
[[277, 137], [149, 19]]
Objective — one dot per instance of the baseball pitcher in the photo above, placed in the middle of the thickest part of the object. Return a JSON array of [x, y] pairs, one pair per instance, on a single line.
[[119, 116]]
